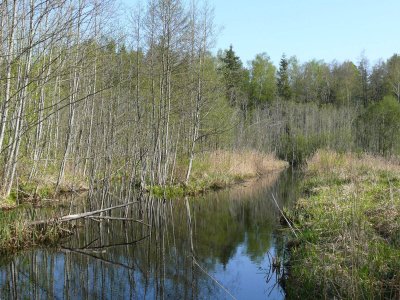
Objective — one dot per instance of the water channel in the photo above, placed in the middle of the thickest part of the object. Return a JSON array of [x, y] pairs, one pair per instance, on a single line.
[[217, 246]]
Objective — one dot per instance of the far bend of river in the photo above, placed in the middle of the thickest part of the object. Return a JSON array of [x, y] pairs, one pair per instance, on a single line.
[[234, 234]]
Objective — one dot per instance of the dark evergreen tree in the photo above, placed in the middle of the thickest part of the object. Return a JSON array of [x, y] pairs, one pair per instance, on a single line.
[[232, 74], [283, 83]]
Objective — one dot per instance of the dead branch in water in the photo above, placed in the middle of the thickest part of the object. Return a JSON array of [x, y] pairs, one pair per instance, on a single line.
[[103, 260], [213, 278], [283, 215], [79, 216]]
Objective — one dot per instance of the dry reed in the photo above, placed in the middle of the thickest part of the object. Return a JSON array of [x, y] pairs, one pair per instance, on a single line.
[[350, 223]]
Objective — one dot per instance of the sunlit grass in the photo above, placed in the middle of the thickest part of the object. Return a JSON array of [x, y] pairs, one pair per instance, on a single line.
[[219, 169], [349, 220], [17, 232]]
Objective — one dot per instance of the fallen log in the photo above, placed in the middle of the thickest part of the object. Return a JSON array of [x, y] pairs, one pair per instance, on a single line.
[[79, 216]]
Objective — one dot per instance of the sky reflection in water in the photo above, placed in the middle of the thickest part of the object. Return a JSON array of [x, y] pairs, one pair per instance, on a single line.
[[232, 231]]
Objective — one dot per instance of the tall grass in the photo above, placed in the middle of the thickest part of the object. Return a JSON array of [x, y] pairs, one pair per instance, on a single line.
[[349, 219], [219, 169], [244, 163], [16, 233]]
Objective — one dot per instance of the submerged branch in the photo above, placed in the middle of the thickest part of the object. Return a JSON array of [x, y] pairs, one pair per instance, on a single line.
[[212, 277], [80, 216], [116, 245], [283, 215], [106, 261]]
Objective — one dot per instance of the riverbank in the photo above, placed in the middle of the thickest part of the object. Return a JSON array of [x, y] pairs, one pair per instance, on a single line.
[[42, 188], [228, 234], [16, 232], [211, 171], [220, 169], [349, 229]]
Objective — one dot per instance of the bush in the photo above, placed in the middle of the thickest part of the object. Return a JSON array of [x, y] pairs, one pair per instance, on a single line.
[[298, 148]]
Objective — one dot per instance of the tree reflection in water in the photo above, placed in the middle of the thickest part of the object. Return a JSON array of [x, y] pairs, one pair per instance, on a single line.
[[230, 233]]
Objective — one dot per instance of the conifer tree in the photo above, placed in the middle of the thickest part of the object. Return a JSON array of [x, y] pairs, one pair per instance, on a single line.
[[283, 83], [232, 74]]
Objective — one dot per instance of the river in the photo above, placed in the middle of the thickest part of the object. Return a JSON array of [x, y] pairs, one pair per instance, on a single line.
[[217, 246]]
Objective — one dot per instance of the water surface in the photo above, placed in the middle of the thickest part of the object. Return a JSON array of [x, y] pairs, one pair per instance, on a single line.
[[211, 247]]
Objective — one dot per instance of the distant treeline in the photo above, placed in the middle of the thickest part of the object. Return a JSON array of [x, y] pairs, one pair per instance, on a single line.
[[85, 104], [296, 108]]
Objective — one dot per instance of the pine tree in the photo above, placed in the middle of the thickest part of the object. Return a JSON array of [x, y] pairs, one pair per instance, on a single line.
[[232, 73], [283, 83]]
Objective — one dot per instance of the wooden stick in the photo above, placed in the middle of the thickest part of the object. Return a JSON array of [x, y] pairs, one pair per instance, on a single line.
[[80, 216], [216, 281], [283, 215]]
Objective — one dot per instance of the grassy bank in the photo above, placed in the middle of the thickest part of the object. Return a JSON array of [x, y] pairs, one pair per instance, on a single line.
[[32, 199], [41, 187], [211, 171], [16, 233], [349, 224], [19, 209], [220, 169]]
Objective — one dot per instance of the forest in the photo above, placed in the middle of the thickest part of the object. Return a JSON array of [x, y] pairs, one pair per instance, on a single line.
[[86, 104], [80, 106]]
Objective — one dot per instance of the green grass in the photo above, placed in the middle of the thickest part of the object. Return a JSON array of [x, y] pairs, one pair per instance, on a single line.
[[349, 224], [196, 186], [17, 234]]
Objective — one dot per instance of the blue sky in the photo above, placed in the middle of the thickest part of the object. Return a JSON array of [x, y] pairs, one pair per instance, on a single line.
[[320, 29]]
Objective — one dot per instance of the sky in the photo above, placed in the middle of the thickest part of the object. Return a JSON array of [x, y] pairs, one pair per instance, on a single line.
[[309, 29], [320, 29]]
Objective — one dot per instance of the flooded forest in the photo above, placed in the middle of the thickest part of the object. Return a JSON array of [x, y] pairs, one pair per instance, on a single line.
[[136, 162]]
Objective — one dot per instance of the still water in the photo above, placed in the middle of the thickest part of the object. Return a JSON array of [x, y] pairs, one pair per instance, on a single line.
[[217, 246]]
